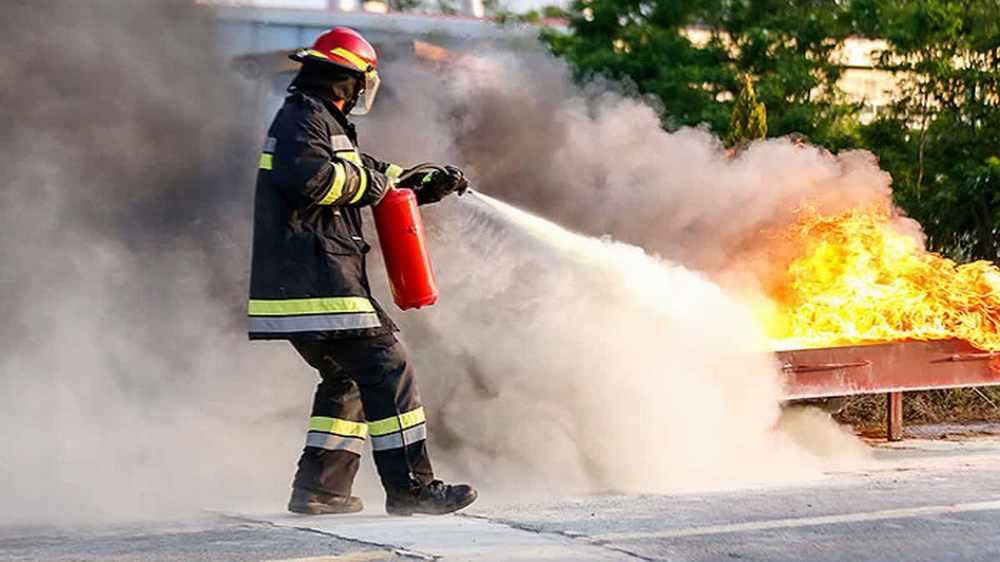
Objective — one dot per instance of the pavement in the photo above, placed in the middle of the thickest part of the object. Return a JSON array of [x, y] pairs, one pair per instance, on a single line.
[[936, 497]]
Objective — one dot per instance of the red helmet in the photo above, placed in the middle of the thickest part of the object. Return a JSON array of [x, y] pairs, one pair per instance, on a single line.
[[343, 47], [347, 49]]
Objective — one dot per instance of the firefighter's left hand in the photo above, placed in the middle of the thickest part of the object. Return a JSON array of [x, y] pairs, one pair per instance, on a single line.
[[460, 184], [438, 185]]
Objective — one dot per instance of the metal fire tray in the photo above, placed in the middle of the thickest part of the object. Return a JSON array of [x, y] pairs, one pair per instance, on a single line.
[[891, 367]]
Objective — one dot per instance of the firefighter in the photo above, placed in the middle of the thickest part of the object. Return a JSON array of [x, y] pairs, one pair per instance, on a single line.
[[308, 285]]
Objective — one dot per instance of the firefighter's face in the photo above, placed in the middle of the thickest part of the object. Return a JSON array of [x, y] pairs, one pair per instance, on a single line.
[[370, 84]]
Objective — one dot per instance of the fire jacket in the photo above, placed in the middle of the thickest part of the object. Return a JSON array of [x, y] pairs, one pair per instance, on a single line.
[[307, 278]]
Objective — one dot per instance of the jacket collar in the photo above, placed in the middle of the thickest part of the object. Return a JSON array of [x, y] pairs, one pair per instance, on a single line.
[[338, 115]]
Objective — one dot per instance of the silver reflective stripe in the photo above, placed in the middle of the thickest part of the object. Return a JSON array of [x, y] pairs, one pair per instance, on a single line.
[[315, 323], [341, 142], [400, 438], [331, 442], [270, 143]]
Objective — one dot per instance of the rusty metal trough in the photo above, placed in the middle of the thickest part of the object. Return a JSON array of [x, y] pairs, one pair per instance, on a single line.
[[891, 368]]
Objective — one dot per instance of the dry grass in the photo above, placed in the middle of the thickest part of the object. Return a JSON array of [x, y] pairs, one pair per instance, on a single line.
[[961, 405]]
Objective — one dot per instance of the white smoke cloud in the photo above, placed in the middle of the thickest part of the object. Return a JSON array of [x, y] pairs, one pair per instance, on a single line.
[[571, 364], [615, 364], [129, 389]]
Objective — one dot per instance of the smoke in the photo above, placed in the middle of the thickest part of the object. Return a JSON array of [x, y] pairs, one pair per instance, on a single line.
[[128, 387], [554, 362], [582, 371], [588, 364]]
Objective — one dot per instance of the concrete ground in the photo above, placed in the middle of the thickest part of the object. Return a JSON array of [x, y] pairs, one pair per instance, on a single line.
[[934, 498]]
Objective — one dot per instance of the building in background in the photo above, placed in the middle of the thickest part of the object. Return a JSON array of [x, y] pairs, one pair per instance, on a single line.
[[260, 36], [861, 82], [260, 33]]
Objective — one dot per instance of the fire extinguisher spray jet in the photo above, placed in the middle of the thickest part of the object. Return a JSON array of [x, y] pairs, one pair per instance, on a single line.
[[404, 246]]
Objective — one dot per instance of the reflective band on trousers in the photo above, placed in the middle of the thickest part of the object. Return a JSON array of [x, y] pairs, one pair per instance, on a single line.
[[396, 423], [398, 431], [318, 323], [400, 439], [322, 305], [346, 428], [335, 434], [332, 442], [336, 185]]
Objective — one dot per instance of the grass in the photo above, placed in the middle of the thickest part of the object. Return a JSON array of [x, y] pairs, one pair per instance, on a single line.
[[959, 405]]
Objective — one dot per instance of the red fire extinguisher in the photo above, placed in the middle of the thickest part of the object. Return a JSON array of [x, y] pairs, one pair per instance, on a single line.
[[404, 247]]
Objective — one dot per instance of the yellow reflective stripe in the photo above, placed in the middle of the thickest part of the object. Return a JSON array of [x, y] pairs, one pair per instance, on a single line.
[[363, 179], [266, 160], [345, 428], [313, 52], [355, 59], [397, 423], [336, 186], [413, 417], [363, 187], [351, 156], [394, 171], [341, 52], [296, 307]]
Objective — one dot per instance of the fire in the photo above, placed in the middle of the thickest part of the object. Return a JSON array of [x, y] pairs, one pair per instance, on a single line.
[[854, 279]]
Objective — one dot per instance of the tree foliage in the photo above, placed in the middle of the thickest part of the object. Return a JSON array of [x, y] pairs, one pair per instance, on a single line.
[[944, 123], [691, 54], [749, 119]]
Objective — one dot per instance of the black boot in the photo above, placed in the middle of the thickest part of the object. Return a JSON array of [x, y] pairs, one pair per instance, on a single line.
[[436, 498], [313, 503]]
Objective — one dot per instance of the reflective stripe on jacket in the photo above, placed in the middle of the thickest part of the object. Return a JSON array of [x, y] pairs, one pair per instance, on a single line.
[[307, 277]]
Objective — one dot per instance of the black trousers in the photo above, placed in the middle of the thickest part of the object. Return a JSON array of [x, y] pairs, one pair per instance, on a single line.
[[367, 388]]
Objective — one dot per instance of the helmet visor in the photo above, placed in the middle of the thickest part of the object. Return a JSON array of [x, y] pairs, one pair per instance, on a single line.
[[367, 98]]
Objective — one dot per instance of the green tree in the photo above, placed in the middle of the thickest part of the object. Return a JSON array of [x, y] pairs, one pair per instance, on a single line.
[[945, 119], [749, 120], [642, 43], [789, 47], [691, 54], [555, 12]]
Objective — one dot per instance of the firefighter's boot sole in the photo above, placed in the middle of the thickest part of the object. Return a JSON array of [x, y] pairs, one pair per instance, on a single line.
[[308, 503]]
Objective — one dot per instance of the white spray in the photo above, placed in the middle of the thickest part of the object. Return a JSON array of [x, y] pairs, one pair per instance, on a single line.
[[569, 364]]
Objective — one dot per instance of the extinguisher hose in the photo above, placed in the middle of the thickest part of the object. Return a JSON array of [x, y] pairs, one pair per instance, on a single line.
[[421, 169]]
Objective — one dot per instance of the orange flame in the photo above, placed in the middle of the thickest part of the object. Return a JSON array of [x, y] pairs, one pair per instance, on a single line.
[[855, 280]]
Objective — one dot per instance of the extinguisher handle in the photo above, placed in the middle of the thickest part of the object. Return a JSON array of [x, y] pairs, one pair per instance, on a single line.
[[420, 169]]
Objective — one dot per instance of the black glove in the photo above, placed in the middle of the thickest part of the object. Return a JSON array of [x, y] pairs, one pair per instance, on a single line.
[[436, 185]]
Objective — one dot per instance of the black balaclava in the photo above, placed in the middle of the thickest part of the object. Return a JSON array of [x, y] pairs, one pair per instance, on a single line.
[[338, 83]]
